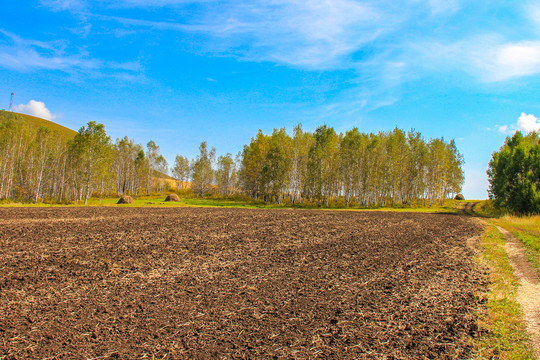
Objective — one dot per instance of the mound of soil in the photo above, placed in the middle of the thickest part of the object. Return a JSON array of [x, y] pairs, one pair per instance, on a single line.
[[172, 197], [125, 199]]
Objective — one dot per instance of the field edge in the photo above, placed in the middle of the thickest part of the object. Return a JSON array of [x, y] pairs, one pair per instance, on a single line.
[[502, 332]]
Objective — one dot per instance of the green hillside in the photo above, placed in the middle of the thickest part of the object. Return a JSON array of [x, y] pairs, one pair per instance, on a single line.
[[32, 120]]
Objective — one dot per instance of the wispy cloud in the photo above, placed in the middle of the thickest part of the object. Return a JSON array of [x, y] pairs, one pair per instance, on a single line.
[[19, 54], [533, 13], [315, 34], [444, 6]]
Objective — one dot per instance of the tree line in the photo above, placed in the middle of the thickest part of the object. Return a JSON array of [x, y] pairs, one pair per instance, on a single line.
[[351, 169], [514, 174], [383, 169], [320, 167]]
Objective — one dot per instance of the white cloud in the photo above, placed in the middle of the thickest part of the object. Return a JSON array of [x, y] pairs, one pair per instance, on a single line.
[[528, 123], [35, 108], [513, 60], [489, 58], [525, 123]]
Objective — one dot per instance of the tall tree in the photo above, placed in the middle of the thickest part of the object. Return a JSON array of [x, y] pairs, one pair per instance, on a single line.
[[90, 151], [276, 166], [322, 164], [253, 159], [301, 143], [181, 171], [226, 174], [202, 170]]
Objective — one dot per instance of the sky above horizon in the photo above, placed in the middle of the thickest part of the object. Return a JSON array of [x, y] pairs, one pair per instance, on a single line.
[[180, 72]]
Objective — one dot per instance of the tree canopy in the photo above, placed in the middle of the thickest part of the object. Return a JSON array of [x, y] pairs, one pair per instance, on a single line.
[[514, 174]]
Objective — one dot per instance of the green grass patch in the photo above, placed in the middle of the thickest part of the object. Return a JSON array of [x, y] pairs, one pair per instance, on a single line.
[[503, 335], [243, 202]]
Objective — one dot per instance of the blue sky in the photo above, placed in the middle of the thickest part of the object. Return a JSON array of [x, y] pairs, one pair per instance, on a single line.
[[180, 72]]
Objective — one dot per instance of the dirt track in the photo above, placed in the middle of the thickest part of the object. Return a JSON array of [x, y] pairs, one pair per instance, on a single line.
[[219, 283]]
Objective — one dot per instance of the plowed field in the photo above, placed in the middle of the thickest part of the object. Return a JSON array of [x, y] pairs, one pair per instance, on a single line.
[[130, 283]]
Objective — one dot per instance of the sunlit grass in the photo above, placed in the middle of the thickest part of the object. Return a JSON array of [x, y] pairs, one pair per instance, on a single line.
[[449, 206]]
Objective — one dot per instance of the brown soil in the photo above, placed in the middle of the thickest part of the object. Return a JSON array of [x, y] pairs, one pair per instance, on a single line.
[[172, 197], [232, 283], [125, 199], [529, 291]]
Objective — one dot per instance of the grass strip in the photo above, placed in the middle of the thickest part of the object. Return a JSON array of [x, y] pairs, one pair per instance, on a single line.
[[503, 334]]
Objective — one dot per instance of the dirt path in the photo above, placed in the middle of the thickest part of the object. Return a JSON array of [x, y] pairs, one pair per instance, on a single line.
[[468, 208], [529, 292]]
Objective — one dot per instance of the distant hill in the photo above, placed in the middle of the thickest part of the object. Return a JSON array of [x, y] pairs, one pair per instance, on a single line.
[[32, 120]]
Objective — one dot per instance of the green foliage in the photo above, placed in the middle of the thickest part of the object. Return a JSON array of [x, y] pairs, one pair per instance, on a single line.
[[252, 163], [394, 168], [514, 174], [91, 156], [322, 163]]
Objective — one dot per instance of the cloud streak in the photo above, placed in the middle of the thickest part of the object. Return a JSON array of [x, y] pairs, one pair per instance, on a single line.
[[26, 55]]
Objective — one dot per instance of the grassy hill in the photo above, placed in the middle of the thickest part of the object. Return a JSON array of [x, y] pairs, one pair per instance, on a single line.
[[35, 121]]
